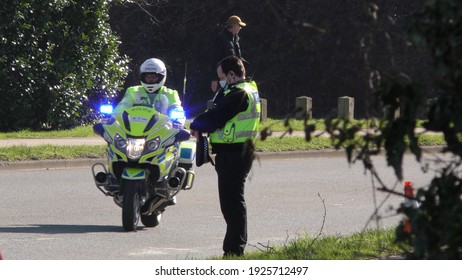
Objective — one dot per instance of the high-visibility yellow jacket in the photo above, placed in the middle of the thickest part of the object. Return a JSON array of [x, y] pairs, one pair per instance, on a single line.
[[244, 125], [162, 99]]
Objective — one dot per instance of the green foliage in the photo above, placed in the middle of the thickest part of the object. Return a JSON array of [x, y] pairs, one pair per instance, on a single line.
[[399, 94], [58, 58], [436, 28], [437, 223], [436, 226]]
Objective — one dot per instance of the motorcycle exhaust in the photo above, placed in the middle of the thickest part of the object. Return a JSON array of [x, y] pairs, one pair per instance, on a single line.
[[176, 182], [100, 177], [103, 180]]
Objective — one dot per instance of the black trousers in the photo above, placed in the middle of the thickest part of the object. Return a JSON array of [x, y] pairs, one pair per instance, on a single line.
[[232, 170]]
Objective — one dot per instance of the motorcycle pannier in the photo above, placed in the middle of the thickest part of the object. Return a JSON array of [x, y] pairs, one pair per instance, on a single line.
[[187, 152]]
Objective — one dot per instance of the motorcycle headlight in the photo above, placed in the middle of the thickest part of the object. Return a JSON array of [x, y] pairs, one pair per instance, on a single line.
[[153, 144], [135, 148], [120, 142]]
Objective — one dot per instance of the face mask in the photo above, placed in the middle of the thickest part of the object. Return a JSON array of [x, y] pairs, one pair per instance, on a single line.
[[223, 83]]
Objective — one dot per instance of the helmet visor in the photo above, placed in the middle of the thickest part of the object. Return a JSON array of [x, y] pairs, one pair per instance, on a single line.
[[151, 78]]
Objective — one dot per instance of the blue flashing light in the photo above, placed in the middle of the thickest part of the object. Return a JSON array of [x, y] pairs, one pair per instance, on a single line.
[[177, 114], [106, 109]]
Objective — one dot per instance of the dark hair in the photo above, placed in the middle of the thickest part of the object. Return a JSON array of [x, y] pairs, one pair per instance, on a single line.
[[232, 63]]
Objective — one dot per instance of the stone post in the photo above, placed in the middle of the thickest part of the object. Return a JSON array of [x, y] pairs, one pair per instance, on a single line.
[[303, 107], [346, 107], [264, 110]]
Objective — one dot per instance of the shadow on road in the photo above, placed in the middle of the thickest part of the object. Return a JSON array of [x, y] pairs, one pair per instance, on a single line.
[[61, 229]]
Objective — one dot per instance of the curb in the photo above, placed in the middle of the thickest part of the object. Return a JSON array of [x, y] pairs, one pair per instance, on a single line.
[[48, 164], [83, 163]]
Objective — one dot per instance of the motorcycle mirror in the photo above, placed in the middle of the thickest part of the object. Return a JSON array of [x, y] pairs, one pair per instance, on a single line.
[[183, 135], [98, 129]]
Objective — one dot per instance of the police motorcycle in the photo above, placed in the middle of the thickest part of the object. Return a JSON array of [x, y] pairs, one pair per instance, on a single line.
[[150, 160]]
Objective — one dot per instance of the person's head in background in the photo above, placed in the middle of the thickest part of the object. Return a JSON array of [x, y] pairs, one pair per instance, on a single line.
[[234, 24]]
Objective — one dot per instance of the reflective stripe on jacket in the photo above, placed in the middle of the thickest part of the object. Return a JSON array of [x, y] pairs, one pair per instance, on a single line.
[[245, 124]]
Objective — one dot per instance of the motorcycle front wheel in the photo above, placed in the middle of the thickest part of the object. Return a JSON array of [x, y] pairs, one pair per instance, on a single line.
[[131, 204]]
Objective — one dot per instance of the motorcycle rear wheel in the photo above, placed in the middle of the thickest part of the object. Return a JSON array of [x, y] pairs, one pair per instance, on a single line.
[[131, 204]]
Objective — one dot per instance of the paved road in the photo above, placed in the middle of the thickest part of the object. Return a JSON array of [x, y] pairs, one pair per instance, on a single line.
[[59, 214]]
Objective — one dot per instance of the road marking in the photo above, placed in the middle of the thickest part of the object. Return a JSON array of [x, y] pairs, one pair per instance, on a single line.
[[159, 251]]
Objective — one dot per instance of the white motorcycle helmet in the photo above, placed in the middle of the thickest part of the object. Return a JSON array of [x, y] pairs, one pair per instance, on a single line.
[[153, 65]]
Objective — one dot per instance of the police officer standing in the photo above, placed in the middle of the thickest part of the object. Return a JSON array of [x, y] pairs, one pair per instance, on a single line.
[[232, 124]]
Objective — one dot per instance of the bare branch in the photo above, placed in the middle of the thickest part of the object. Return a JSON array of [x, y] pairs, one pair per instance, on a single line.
[[323, 221]]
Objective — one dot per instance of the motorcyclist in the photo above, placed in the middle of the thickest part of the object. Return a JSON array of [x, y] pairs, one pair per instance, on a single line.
[[152, 91]]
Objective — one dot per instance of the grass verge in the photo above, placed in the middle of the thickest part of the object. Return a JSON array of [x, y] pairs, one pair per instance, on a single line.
[[87, 131], [81, 131], [22, 153], [371, 244], [271, 144]]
